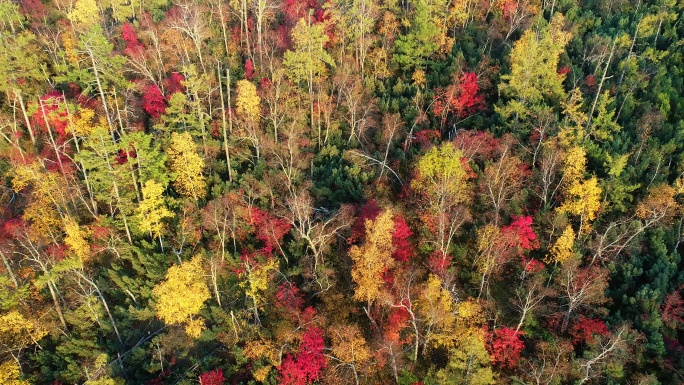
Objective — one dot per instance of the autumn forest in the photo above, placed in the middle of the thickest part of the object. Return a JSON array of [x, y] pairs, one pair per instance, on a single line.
[[338, 192]]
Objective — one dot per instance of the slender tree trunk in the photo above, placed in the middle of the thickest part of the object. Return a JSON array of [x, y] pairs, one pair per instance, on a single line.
[[9, 270], [102, 94], [598, 91], [214, 281], [78, 151], [52, 138], [26, 118], [56, 302], [223, 121], [104, 303]]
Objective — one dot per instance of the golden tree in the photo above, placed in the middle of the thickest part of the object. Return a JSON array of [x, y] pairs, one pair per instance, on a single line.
[[152, 210], [187, 166], [76, 238], [563, 249], [181, 296], [373, 258]]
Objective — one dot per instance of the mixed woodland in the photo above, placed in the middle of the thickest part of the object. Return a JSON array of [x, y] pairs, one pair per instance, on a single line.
[[355, 192]]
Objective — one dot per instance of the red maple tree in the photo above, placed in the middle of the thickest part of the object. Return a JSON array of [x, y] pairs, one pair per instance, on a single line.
[[133, 46], [214, 377], [461, 99], [307, 365], [269, 229], [585, 329], [505, 347], [153, 101]]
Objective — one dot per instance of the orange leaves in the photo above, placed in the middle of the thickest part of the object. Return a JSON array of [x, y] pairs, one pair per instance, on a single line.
[[348, 344], [659, 204]]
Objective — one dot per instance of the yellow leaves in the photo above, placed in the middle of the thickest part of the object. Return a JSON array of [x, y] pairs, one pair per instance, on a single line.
[[42, 211], [262, 348], [575, 164], [9, 374], [35, 174], [83, 124], [348, 344], [69, 44], [152, 210], [441, 176], [575, 118], [194, 327], [437, 308], [186, 165], [585, 201], [181, 296], [469, 362], [487, 237], [257, 281], [85, 12], [583, 197], [659, 204], [76, 239], [247, 101], [261, 374], [377, 63], [469, 313], [17, 332], [563, 249], [418, 78], [679, 185], [373, 258]]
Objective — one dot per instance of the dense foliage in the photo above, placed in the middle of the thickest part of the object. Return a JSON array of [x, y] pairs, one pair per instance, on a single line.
[[341, 192]]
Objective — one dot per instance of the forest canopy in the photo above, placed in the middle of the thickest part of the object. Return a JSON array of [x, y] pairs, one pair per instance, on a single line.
[[341, 192]]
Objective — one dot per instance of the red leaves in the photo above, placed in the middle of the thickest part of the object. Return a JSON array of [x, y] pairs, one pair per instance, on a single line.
[[307, 365], [461, 100], [173, 84], [428, 138], [289, 297], [532, 265], [520, 234], [585, 329], [369, 211], [214, 377], [400, 237], [505, 347], [439, 262], [400, 240], [49, 109], [249, 69], [133, 46], [564, 70], [395, 323], [269, 229], [508, 8], [673, 309], [153, 101], [477, 144]]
